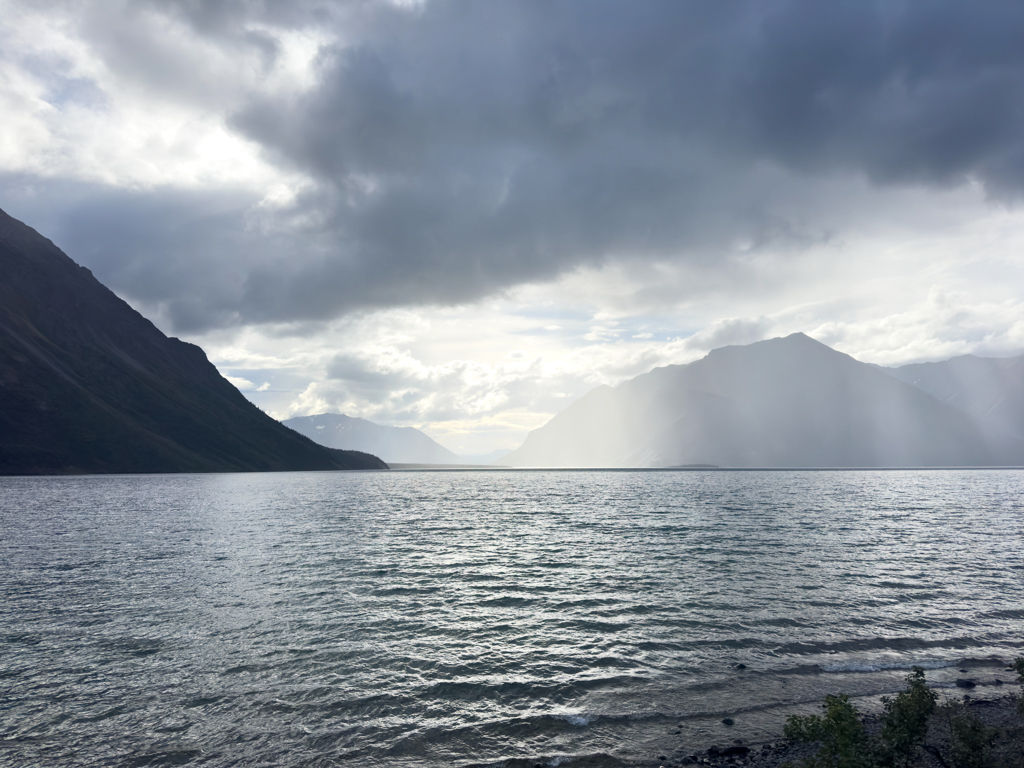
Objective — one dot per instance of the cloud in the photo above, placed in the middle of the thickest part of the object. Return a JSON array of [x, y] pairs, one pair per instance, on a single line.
[[244, 385], [731, 331], [394, 385], [948, 324], [240, 383], [249, 162], [479, 377]]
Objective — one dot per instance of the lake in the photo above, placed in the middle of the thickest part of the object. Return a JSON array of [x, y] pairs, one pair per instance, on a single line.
[[485, 618]]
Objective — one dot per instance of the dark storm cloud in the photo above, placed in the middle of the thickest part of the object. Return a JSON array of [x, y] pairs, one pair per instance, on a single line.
[[906, 91], [183, 253], [458, 147]]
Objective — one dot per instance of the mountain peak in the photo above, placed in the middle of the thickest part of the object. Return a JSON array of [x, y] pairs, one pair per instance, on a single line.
[[783, 402]]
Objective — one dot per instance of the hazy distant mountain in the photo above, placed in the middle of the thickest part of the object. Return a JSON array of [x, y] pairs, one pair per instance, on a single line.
[[494, 457], [990, 389], [87, 384], [397, 445], [790, 402]]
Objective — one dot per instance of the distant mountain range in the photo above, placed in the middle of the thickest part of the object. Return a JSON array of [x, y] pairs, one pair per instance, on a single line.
[[792, 402], [87, 384], [989, 389], [395, 445]]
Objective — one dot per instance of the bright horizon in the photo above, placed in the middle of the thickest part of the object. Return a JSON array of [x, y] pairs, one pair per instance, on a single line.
[[463, 218]]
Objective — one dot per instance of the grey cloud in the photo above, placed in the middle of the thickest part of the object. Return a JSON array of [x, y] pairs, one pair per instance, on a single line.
[[905, 91], [183, 255], [459, 148], [395, 397], [513, 141], [734, 330], [357, 373]]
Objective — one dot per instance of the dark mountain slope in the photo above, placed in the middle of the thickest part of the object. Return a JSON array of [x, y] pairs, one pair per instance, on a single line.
[[89, 385], [991, 389], [789, 402], [393, 444]]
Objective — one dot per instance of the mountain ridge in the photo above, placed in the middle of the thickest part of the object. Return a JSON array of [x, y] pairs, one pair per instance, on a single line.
[[990, 389], [403, 445], [790, 402], [87, 384], [396, 445]]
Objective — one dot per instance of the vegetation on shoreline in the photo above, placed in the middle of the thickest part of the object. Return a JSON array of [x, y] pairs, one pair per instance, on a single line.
[[903, 736]]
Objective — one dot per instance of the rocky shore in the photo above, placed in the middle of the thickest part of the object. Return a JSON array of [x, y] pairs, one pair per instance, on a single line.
[[995, 712]]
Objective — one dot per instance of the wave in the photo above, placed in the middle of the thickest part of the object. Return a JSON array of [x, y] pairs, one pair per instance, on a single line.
[[854, 666], [578, 720]]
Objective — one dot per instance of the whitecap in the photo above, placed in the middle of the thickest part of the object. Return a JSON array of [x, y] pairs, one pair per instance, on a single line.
[[578, 719]]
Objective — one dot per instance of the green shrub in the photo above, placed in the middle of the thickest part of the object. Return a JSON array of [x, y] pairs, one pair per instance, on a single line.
[[971, 739], [905, 720], [846, 744], [841, 732]]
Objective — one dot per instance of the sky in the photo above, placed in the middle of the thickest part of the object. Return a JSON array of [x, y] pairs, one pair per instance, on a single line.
[[461, 215]]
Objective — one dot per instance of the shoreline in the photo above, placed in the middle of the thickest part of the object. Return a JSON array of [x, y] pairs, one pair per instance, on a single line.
[[997, 711]]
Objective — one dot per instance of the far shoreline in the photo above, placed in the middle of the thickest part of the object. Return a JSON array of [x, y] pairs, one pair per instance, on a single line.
[[413, 467]]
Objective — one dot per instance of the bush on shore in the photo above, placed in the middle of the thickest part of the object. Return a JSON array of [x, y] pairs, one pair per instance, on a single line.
[[846, 743]]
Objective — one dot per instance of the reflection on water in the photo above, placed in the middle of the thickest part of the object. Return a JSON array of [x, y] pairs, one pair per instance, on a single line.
[[469, 618]]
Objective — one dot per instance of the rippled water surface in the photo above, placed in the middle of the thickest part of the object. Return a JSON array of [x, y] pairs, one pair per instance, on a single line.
[[473, 618]]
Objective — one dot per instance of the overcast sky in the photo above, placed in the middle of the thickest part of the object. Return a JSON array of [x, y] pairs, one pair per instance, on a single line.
[[461, 215]]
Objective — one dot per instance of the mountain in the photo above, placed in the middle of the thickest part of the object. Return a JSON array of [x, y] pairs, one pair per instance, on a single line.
[[87, 384], [789, 402], [494, 457], [990, 389], [397, 445]]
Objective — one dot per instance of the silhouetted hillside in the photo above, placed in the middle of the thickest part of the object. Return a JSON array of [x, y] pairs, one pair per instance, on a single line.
[[89, 385], [789, 402]]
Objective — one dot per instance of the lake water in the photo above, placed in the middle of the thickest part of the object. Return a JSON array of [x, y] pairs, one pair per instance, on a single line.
[[479, 618]]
